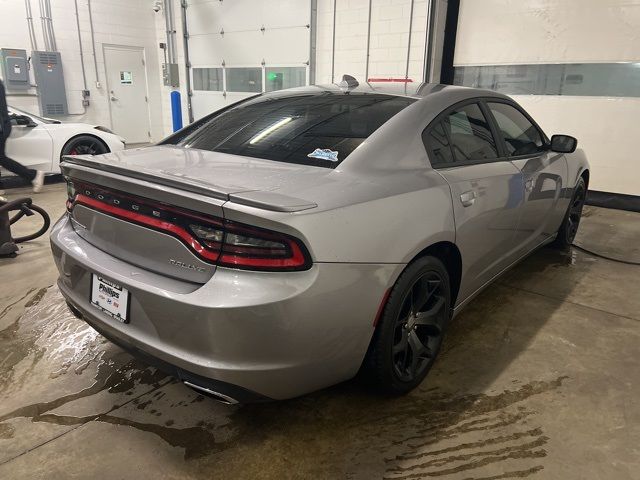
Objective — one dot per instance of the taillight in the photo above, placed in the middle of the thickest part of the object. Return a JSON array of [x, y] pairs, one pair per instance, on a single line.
[[256, 248], [71, 194], [218, 241], [210, 236]]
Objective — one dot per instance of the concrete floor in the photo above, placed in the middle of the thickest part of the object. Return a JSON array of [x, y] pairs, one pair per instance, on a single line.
[[539, 378]]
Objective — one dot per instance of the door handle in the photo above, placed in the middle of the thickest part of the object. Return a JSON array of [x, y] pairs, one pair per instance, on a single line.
[[468, 198], [113, 99]]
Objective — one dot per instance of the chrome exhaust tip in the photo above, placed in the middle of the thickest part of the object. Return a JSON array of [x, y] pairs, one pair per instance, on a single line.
[[219, 397]]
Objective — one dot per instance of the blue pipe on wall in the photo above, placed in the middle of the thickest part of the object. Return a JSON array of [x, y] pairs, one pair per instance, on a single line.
[[176, 110]]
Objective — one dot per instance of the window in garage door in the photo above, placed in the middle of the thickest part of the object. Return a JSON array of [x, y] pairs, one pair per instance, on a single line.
[[244, 79], [208, 79], [278, 78]]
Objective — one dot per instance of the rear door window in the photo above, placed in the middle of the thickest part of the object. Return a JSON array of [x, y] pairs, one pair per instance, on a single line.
[[470, 134], [436, 141], [319, 129]]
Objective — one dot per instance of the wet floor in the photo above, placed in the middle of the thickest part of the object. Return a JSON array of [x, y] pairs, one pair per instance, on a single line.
[[538, 379]]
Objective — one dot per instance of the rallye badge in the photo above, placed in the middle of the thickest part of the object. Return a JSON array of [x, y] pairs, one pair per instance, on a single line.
[[188, 266], [324, 154]]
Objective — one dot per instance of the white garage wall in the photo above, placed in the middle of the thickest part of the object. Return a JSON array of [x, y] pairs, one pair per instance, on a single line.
[[285, 40], [508, 32], [119, 22], [165, 117], [389, 39]]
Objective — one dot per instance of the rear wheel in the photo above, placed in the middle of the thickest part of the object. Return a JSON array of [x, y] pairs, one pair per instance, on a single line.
[[410, 331], [569, 228], [84, 145]]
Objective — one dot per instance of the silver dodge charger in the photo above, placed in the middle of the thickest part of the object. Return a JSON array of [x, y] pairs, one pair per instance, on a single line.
[[297, 238]]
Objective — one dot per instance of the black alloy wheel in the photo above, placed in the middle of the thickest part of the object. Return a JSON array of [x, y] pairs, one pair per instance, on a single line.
[[418, 327], [411, 329], [84, 145], [569, 228]]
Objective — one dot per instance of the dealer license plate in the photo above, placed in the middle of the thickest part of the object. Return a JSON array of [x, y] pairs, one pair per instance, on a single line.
[[110, 298]]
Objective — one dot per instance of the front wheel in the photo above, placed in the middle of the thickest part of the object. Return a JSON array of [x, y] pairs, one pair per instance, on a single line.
[[569, 228], [410, 331]]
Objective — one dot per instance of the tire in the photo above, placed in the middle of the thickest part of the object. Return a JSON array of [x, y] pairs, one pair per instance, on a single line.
[[392, 365], [569, 227], [84, 145]]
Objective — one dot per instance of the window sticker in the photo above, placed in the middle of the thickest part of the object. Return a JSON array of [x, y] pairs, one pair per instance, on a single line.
[[324, 154], [126, 78]]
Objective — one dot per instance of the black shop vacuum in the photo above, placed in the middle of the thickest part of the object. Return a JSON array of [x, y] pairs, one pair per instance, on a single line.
[[23, 207]]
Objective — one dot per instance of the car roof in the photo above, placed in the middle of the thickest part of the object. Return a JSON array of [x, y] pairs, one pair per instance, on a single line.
[[417, 90]]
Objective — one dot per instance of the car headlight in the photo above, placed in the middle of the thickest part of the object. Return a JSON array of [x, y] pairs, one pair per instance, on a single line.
[[103, 129]]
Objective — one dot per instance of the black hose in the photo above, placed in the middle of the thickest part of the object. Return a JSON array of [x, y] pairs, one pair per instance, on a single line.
[[45, 225], [596, 254], [23, 206], [8, 206]]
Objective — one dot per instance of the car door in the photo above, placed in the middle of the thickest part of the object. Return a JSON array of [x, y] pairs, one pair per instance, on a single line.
[[31, 145], [543, 172], [486, 191]]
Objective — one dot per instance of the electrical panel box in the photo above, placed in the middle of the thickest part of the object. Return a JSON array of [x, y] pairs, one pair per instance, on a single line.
[[15, 68], [170, 75], [52, 95]]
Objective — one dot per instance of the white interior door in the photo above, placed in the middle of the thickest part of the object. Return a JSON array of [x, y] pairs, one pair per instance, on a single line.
[[128, 99]]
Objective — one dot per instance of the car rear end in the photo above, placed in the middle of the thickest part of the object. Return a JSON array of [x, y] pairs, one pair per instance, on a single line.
[[207, 265]]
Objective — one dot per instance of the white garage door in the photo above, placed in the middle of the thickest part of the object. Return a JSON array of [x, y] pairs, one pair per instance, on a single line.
[[243, 47]]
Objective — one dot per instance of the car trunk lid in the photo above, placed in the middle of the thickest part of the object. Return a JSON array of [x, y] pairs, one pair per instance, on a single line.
[[146, 206]]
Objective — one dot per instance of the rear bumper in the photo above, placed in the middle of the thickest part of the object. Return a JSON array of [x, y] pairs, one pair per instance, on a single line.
[[237, 394], [251, 335]]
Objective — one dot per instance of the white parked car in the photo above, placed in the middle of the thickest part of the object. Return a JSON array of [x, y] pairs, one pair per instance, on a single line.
[[38, 142]]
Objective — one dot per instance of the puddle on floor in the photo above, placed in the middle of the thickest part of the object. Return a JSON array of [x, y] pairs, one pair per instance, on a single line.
[[46, 332], [347, 433], [50, 355], [51, 359]]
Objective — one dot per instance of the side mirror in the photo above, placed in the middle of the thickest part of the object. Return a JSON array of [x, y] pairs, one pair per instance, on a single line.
[[563, 144], [23, 120]]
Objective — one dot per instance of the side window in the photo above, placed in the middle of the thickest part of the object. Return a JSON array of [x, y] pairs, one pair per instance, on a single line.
[[521, 137], [437, 145], [470, 134]]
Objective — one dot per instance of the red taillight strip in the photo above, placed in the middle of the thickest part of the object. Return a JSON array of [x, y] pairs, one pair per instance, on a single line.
[[297, 259], [148, 222], [141, 201], [228, 255]]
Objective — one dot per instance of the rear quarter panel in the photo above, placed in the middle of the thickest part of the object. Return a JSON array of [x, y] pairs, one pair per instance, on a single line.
[[375, 227]]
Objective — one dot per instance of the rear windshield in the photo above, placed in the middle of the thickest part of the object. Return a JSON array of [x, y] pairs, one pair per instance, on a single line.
[[321, 129]]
